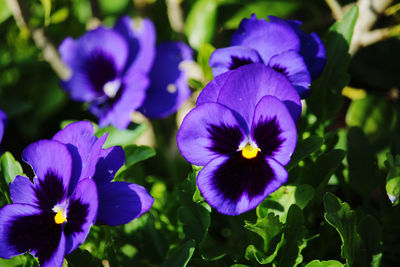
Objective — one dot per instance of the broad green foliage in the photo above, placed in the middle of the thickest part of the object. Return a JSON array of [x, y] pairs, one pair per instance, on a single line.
[[201, 22], [331, 263], [326, 99], [393, 178], [262, 9], [9, 169]]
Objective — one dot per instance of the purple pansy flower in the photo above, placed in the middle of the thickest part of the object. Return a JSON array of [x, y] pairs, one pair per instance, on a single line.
[[119, 202], [51, 216], [243, 135], [168, 87], [279, 44], [110, 67], [113, 70]]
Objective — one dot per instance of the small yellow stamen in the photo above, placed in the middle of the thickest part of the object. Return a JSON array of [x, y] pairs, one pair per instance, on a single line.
[[60, 218], [249, 151]]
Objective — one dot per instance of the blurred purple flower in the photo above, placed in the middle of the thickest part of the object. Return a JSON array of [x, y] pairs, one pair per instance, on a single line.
[[243, 133], [119, 202], [51, 216], [279, 44], [3, 123], [168, 87], [112, 68]]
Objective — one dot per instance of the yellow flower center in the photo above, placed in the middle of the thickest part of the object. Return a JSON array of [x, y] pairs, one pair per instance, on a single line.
[[249, 151], [60, 217]]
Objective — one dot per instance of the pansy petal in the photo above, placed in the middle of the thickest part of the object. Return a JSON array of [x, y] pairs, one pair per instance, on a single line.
[[234, 185], [247, 85], [168, 87], [292, 65], [95, 58], [110, 161], [57, 258], [211, 91], [311, 47], [141, 37], [274, 130], [208, 131], [231, 58], [22, 191], [26, 228], [49, 157], [121, 202], [84, 148], [7, 215], [81, 213], [268, 38], [118, 110], [3, 122]]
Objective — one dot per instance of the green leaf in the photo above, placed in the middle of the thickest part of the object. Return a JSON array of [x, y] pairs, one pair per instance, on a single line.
[[180, 256], [59, 16], [114, 6], [326, 98], [9, 168], [253, 253], [81, 257], [374, 115], [267, 228], [331, 263], [280, 201], [203, 57], [294, 234], [339, 215], [364, 175], [393, 178], [262, 9], [201, 22], [135, 154], [47, 9], [118, 137], [195, 217], [5, 12], [304, 149]]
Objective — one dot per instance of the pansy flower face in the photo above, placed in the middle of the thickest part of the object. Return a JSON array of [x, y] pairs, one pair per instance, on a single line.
[[242, 138], [278, 44], [119, 202], [48, 218], [110, 67]]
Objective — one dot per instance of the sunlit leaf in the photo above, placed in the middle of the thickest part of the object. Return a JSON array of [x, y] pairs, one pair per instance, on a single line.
[[326, 98], [262, 9], [280, 201], [331, 263], [343, 219], [200, 23]]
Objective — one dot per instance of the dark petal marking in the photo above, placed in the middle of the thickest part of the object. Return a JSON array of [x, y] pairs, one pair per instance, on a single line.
[[225, 139], [100, 68], [76, 216], [238, 62], [37, 233], [103, 104], [239, 175], [280, 69], [50, 191], [266, 134]]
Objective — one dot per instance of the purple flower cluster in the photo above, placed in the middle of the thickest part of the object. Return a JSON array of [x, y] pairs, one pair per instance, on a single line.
[[243, 128], [119, 70], [72, 189], [3, 122], [279, 44]]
